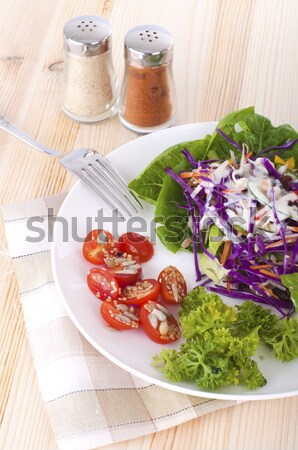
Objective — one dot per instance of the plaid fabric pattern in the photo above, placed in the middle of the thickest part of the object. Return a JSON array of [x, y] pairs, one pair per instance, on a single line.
[[91, 402]]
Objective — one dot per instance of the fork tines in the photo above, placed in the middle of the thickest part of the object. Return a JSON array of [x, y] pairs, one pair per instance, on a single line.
[[101, 176]]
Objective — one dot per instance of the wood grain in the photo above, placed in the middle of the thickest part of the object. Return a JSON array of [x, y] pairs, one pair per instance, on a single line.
[[228, 54]]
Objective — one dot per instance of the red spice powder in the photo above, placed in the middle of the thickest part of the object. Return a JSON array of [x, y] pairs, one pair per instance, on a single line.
[[148, 101]]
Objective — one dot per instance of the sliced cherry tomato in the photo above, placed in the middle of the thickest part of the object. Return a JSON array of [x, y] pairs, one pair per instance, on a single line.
[[159, 323], [140, 292], [126, 269], [136, 245], [103, 284], [118, 317], [98, 245], [172, 285]]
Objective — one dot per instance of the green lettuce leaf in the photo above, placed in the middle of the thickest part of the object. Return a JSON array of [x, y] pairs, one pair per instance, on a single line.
[[212, 268], [255, 130], [215, 239], [147, 185], [291, 282], [174, 221]]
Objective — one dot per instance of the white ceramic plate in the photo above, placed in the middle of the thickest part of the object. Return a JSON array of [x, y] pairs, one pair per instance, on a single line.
[[132, 350]]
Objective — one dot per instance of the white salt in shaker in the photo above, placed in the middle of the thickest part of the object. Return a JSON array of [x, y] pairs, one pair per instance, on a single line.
[[89, 90]]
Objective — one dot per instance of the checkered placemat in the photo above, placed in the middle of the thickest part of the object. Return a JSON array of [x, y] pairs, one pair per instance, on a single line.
[[90, 401]]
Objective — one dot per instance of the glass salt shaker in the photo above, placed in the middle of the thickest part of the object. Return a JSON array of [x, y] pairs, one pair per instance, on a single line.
[[89, 89], [147, 97]]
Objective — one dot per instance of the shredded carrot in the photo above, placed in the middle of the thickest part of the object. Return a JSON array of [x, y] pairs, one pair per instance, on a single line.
[[226, 252], [289, 239], [227, 191], [229, 284], [267, 291], [274, 244], [293, 228], [270, 274], [186, 174], [248, 155], [261, 266], [258, 217]]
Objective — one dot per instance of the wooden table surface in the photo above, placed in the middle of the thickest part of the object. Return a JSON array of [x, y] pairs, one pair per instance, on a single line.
[[228, 54]]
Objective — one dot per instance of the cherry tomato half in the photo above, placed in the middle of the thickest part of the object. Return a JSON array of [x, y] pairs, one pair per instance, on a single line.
[[98, 245], [118, 317], [126, 269], [159, 323], [140, 292], [172, 285], [136, 245], [102, 283]]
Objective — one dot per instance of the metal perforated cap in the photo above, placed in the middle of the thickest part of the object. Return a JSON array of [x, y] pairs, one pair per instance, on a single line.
[[148, 45], [87, 36]]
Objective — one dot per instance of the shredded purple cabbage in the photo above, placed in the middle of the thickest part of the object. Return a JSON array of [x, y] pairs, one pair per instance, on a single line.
[[244, 295], [273, 172], [194, 240], [293, 186], [283, 147], [282, 232], [228, 139], [247, 254], [293, 258], [189, 157]]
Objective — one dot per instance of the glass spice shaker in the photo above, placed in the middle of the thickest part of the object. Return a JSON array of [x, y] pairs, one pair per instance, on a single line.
[[89, 90], [147, 97]]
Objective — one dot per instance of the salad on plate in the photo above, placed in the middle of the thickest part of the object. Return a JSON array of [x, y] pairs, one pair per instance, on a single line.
[[231, 199]]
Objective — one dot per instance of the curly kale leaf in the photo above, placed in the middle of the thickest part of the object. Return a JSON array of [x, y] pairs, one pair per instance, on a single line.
[[280, 335], [168, 362], [250, 374], [285, 340], [196, 298], [212, 314], [252, 316], [220, 342], [213, 359]]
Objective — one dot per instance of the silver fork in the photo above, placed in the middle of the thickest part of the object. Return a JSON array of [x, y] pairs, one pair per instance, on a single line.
[[92, 168]]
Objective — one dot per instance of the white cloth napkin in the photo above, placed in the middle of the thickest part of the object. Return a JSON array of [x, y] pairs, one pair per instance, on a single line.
[[90, 401]]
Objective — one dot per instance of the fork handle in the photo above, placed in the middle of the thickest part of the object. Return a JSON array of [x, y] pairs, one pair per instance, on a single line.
[[15, 131]]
